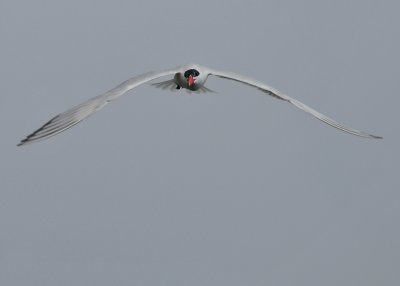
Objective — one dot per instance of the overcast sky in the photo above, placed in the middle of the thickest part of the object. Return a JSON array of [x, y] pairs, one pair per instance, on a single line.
[[231, 188]]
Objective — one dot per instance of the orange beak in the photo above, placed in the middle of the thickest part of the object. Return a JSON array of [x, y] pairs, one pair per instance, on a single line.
[[190, 80]]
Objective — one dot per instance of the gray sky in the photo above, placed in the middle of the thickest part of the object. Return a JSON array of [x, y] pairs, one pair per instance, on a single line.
[[232, 188]]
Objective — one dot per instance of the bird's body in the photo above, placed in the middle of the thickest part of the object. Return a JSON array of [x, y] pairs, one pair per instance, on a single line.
[[191, 77]]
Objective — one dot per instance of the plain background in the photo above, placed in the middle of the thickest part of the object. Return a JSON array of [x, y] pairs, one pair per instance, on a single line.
[[231, 188]]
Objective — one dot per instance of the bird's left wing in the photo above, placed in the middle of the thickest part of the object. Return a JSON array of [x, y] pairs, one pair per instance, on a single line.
[[275, 93], [76, 114]]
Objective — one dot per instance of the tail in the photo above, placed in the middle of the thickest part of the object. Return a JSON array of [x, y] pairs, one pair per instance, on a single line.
[[172, 86]]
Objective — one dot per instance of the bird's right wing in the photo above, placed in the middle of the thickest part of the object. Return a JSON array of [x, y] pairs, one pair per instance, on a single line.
[[74, 115]]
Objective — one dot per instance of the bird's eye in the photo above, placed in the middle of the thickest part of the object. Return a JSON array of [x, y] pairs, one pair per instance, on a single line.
[[191, 72]]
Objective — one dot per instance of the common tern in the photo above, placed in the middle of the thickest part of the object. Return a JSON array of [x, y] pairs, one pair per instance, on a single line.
[[191, 77]]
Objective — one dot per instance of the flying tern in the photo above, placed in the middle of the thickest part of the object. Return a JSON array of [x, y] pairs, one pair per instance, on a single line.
[[191, 77]]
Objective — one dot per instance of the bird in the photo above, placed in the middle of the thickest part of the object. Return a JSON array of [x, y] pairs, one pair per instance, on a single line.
[[191, 77]]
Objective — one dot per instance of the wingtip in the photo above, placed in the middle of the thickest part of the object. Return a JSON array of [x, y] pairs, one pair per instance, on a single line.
[[21, 143], [371, 136]]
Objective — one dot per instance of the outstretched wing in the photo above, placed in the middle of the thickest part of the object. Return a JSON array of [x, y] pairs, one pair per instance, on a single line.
[[275, 93], [74, 115]]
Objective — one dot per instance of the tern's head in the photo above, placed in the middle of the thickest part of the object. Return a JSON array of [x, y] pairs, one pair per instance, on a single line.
[[191, 75]]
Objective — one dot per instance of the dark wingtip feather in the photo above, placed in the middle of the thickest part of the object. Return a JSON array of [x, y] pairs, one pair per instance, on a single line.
[[28, 138], [377, 137]]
